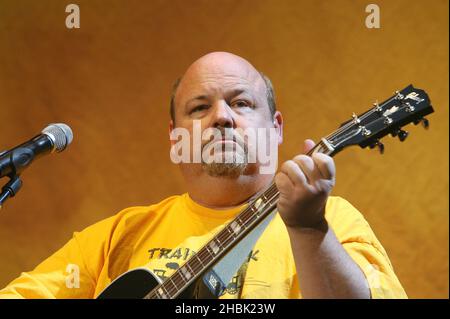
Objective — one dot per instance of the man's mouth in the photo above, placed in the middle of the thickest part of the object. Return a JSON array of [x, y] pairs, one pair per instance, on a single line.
[[227, 141], [224, 141]]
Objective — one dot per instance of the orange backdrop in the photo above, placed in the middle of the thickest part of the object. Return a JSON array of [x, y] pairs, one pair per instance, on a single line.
[[110, 81]]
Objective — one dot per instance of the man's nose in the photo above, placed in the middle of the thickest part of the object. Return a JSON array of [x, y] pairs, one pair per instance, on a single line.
[[222, 115]]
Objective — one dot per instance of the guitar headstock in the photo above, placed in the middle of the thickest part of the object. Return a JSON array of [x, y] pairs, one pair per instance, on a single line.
[[409, 105]]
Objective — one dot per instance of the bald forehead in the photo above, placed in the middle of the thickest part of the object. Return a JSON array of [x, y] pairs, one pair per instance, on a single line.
[[222, 63], [221, 69]]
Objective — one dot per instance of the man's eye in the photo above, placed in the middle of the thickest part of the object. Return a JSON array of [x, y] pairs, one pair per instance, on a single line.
[[199, 108], [241, 103]]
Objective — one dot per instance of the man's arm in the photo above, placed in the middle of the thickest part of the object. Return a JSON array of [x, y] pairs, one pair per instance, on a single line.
[[324, 268], [62, 275]]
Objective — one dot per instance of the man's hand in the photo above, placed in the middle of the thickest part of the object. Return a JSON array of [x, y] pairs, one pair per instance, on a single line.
[[305, 183]]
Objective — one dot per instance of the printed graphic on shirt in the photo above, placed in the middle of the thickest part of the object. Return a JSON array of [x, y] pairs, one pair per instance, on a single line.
[[165, 261]]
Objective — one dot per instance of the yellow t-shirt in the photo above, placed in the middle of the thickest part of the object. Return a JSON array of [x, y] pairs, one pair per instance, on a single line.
[[162, 237]]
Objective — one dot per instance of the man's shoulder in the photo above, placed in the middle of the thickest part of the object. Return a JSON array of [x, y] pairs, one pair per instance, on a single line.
[[152, 209], [348, 222], [339, 205], [130, 216], [341, 214]]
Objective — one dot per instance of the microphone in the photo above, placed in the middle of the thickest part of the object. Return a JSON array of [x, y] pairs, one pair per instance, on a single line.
[[53, 138]]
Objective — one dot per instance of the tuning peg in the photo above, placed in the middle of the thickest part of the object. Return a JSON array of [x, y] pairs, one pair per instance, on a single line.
[[378, 144], [402, 135], [377, 107], [380, 147], [398, 95], [355, 118], [424, 121], [395, 132]]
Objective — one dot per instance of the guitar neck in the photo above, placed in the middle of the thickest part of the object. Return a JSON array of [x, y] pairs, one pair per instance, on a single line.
[[258, 209]]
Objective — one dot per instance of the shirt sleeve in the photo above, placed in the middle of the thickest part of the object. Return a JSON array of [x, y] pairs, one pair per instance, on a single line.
[[71, 272], [360, 242]]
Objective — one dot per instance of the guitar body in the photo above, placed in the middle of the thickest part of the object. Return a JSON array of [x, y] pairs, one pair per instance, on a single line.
[[134, 284], [137, 283]]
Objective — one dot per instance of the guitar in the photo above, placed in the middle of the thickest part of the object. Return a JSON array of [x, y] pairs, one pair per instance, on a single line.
[[409, 105]]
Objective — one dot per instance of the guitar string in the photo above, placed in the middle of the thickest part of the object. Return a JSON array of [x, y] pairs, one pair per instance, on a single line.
[[364, 116]]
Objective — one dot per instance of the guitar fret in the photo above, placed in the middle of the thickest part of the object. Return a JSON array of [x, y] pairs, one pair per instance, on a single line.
[[177, 275], [197, 256], [209, 249], [221, 240], [247, 219], [185, 273], [207, 253], [264, 201], [220, 244], [235, 227], [178, 281], [173, 282], [258, 204], [215, 248], [226, 240], [239, 222], [187, 265], [162, 291], [223, 237], [172, 288], [232, 233]]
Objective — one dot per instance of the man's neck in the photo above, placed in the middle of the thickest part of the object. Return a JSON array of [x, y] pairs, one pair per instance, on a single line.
[[225, 192]]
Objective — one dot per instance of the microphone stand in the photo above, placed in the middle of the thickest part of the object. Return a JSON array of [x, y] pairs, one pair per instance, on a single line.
[[10, 189], [19, 159]]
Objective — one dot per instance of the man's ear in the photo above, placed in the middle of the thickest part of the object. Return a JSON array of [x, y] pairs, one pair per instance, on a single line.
[[278, 124], [171, 127]]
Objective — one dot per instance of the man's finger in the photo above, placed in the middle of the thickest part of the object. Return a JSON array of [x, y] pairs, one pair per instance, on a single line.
[[283, 182], [325, 165], [308, 145], [295, 174], [308, 167]]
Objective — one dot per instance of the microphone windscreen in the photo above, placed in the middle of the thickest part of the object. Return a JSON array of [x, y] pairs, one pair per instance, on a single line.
[[60, 133]]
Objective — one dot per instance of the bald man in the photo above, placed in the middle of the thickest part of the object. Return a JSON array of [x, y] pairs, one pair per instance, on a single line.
[[316, 246]]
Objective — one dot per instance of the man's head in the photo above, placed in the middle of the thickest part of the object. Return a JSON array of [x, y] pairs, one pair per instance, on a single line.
[[269, 94], [225, 92]]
